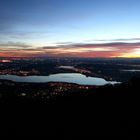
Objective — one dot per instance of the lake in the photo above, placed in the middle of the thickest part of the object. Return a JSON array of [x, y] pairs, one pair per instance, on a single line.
[[76, 78], [133, 70]]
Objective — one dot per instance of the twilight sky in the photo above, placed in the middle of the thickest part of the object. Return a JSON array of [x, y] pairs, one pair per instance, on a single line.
[[73, 28]]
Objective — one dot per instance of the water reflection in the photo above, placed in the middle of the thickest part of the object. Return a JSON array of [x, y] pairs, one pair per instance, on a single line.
[[61, 77], [133, 70]]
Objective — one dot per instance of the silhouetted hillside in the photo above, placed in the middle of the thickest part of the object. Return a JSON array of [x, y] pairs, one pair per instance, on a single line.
[[107, 110]]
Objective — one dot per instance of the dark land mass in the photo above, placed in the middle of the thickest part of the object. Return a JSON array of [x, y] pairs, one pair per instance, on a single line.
[[110, 110], [109, 69]]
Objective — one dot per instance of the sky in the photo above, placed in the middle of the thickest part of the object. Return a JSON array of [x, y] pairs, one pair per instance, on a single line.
[[70, 28]]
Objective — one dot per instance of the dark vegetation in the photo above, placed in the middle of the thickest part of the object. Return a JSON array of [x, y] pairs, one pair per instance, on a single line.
[[108, 110]]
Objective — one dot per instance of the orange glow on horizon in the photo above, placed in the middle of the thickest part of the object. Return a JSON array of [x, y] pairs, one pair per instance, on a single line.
[[86, 51], [134, 54]]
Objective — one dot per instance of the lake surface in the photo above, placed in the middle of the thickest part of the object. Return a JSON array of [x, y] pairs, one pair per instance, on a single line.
[[133, 70], [66, 67], [76, 78]]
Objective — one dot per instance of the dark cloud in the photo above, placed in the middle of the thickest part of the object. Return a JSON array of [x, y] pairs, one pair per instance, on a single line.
[[117, 40], [15, 44], [49, 47], [112, 44]]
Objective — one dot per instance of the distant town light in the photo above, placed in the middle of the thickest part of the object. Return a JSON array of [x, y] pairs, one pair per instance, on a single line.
[[5, 61], [23, 94]]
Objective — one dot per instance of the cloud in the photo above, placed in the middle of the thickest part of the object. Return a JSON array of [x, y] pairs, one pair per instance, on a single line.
[[115, 49], [114, 40], [127, 39], [15, 45]]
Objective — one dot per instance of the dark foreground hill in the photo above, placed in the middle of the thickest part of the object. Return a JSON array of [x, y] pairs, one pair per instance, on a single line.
[[108, 110]]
